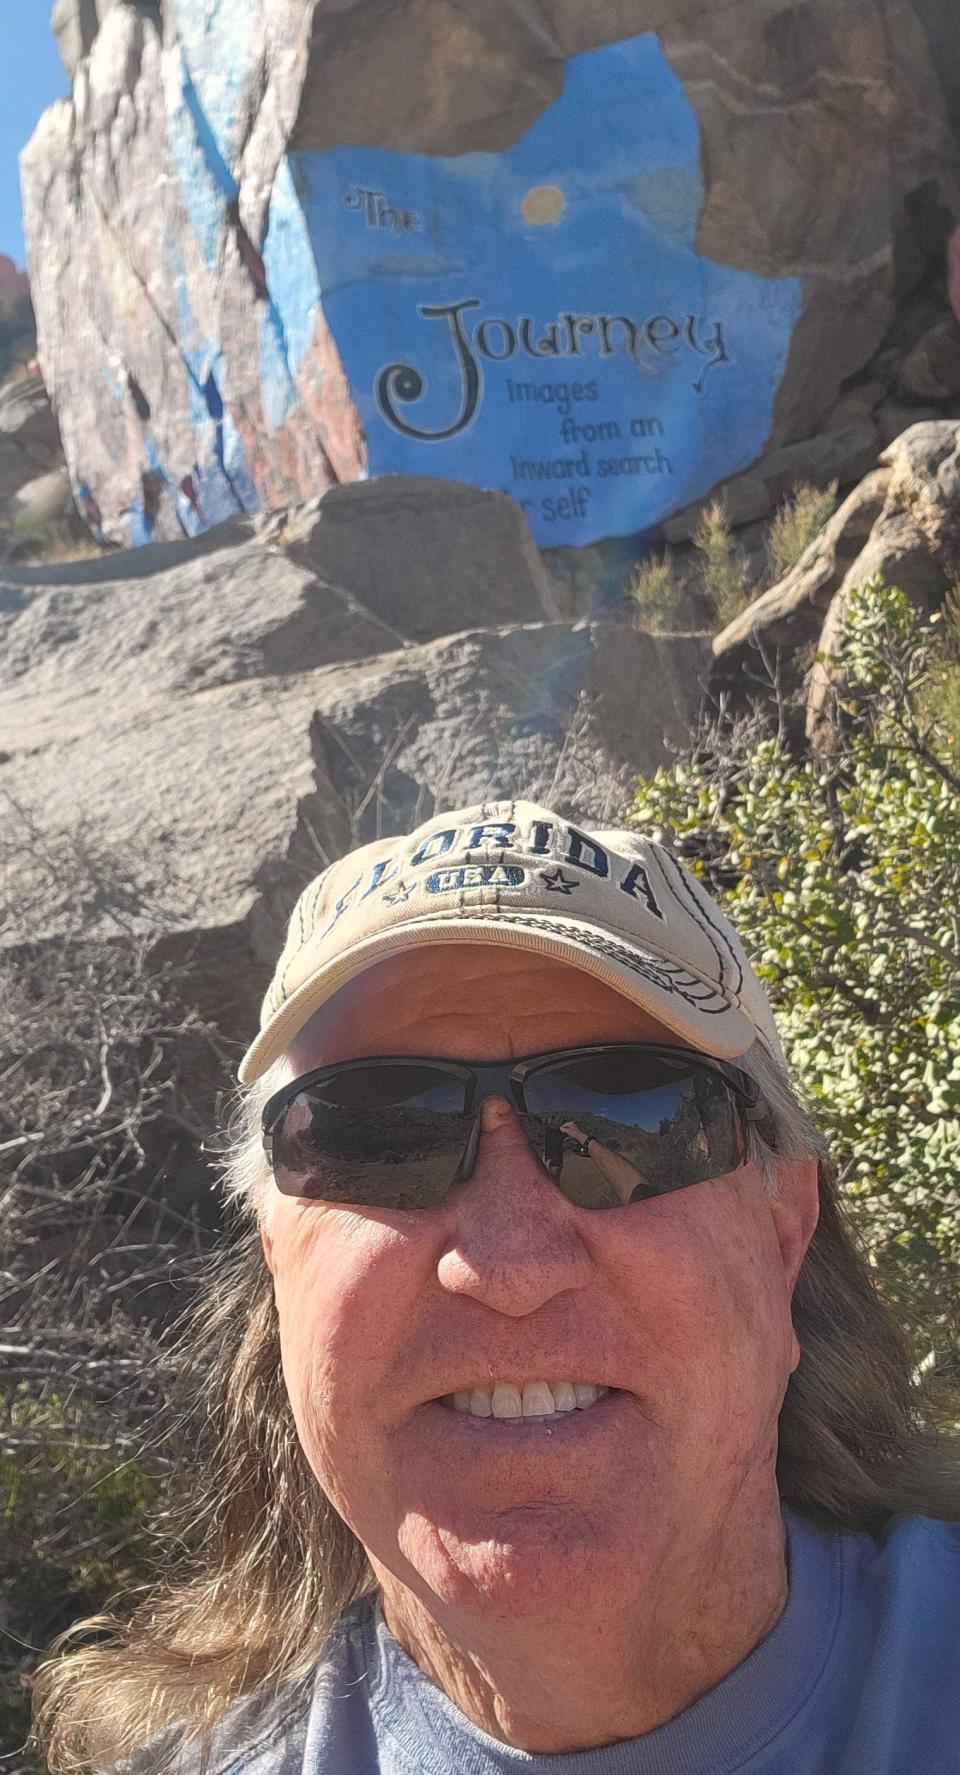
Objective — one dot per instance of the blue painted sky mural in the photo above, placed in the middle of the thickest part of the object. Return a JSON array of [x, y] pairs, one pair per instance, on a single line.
[[540, 320]]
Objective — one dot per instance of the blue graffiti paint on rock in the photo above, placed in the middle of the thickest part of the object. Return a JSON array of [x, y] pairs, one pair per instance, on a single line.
[[206, 76], [289, 318], [540, 320], [219, 41], [205, 181], [217, 484]]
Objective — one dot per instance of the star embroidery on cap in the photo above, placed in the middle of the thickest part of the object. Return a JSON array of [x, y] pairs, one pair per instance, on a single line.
[[402, 891], [557, 883]]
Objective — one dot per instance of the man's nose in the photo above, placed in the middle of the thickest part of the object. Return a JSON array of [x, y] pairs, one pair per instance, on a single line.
[[514, 1242]]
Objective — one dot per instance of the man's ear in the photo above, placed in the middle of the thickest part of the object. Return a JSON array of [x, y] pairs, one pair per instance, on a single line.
[[796, 1210], [266, 1239]]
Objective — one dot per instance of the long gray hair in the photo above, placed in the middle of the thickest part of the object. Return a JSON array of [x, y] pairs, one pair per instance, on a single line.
[[271, 1567]]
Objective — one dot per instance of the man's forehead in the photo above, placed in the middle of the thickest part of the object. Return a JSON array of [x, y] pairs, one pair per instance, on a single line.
[[464, 991]]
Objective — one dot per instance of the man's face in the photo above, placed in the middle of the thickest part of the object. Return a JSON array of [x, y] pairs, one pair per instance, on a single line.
[[681, 1303]]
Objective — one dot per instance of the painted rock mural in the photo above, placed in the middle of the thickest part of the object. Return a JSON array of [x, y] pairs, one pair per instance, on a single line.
[[602, 259], [552, 329]]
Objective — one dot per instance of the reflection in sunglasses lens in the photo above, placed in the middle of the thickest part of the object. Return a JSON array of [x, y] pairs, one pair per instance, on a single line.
[[388, 1137], [675, 1129]]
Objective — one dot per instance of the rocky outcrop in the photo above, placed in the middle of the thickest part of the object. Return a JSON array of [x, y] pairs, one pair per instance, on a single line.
[[179, 227], [37, 509], [237, 709], [842, 456], [914, 544], [789, 616], [902, 523], [36, 501], [29, 439], [75, 24], [14, 284]]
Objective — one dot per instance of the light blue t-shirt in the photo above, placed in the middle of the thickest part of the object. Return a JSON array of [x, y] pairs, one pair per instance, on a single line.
[[860, 1676]]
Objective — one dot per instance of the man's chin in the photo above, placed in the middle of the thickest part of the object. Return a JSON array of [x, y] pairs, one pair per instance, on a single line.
[[537, 1558]]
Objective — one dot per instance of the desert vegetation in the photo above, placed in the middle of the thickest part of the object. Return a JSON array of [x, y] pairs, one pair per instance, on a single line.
[[103, 1057], [841, 870], [720, 577]]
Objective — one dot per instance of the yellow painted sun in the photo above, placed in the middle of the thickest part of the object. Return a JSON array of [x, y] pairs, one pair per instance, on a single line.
[[542, 204]]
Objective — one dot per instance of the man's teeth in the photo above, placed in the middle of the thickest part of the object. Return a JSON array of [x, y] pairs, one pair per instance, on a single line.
[[539, 1399]]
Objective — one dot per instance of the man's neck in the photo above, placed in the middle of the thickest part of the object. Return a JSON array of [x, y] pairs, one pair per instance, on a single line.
[[548, 1687]]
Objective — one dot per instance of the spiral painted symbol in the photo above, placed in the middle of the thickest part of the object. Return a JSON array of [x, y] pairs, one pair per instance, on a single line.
[[406, 383]]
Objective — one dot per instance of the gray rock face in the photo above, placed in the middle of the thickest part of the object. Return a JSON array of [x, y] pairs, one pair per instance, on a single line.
[[932, 369], [939, 21], [74, 23], [239, 709], [161, 209], [843, 456]]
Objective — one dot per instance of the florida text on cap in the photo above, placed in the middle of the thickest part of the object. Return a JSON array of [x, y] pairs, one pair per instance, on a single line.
[[612, 903]]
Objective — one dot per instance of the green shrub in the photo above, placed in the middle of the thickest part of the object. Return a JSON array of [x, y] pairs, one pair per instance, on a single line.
[[843, 876], [30, 537], [74, 1528], [59, 1467], [725, 570], [726, 578], [657, 593], [943, 705], [18, 334], [797, 521], [938, 700]]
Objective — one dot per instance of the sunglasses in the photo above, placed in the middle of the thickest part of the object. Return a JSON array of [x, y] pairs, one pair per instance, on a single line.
[[611, 1124]]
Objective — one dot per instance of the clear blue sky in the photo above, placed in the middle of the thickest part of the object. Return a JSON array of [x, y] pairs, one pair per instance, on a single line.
[[31, 77]]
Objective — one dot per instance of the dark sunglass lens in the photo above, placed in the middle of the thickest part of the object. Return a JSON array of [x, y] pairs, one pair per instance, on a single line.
[[655, 1126], [384, 1137]]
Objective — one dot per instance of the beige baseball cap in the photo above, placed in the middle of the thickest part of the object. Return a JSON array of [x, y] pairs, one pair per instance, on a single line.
[[612, 903]]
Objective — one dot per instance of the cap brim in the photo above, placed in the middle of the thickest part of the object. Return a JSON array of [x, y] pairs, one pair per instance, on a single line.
[[685, 1003]]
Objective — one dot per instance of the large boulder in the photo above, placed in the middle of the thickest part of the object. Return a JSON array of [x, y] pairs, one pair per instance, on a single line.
[[180, 236], [236, 710]]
